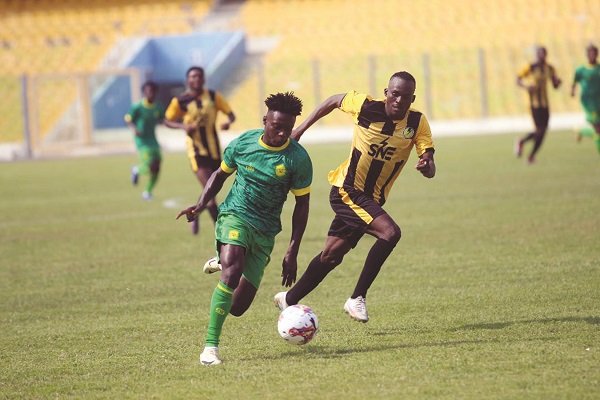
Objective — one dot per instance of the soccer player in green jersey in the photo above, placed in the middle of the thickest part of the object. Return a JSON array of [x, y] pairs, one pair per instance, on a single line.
[[588, 77], [142, 118], [268, 164]]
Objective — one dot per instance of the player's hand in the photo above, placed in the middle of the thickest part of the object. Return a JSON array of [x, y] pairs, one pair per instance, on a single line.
[[138, 133], [426, 166], [191, 213], [190, 128], [289, 271], [225, 126]]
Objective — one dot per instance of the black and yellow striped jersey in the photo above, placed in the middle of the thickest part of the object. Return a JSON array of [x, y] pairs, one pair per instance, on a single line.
[[538, 75], [202, 111], [380, 146]]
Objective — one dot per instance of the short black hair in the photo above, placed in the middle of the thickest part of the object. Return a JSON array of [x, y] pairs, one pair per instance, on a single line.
[[405, 76], [194, 68], [150, 84], [286, 103]]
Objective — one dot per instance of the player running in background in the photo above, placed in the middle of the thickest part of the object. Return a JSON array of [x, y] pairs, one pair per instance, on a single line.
[[588, 77], [385, 132], [269, 165], [142, 118], [195, 111], [537, 74]]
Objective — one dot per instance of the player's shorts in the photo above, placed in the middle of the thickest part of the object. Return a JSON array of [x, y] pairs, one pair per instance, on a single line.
[[541, 116], [231, 229], [354, 211], [148, 155], [592, 113]]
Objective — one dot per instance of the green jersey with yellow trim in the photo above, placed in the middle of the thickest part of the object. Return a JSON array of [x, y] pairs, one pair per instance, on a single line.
[[264, 177], [145, 116]]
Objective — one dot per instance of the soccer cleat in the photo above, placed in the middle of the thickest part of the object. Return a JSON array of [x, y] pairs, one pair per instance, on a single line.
[[196, 225], [135, 175], [146, 195], [210, 356], [279, 301], [357, 309], [212, 266], [518, 148]]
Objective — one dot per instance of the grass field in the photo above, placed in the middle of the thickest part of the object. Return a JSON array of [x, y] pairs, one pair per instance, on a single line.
[[493, 291]]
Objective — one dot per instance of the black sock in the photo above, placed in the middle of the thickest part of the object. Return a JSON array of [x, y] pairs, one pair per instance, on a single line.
[[375, 259], [314, 274]]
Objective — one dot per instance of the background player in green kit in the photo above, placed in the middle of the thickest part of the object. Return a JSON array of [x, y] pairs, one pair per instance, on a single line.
[[269, 165], [142, 118], [588, 77]]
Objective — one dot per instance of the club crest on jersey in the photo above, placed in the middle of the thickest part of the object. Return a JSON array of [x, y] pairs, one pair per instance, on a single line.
[[280, 170], [233, 234], [408, 133]]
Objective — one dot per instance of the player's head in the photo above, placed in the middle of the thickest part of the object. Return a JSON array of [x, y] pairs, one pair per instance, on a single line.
[[399, 94], [149, 89], [541, 53], [282, 110], [592, 53], [195, 78]]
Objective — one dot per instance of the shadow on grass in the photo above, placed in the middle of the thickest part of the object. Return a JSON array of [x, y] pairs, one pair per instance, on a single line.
[[328, 352], [502, 325]]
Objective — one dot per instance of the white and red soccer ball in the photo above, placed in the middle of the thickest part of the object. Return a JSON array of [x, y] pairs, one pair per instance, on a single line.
[[298, 324]]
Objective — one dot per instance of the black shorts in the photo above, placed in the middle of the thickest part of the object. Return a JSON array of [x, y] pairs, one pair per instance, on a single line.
[[354, 211], [199, 162], [541, 116]]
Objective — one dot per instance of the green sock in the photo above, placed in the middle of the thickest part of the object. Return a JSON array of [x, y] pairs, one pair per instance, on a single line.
[[151, 182], [220, 305], [587, 132]]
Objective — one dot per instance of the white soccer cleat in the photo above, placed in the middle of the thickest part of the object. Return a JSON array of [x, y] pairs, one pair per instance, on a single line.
[[212, 266], [146, 195], [279, 301], [357, 309], [210, 356]]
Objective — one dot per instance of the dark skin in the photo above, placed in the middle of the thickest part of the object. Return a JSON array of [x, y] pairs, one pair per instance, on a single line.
[[399, 95], [195, 86], [592, 56], [278, 128]]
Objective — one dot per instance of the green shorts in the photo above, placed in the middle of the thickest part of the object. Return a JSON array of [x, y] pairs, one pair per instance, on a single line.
[[230, 229], [147, 156], [592, 116]]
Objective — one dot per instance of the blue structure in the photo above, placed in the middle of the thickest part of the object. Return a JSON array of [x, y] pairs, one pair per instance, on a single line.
[[165, 61]]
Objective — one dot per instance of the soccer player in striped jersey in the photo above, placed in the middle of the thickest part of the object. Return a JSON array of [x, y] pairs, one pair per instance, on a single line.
[[195, 111], [268, 165], [534, 78], [385, 132], [588, 77]]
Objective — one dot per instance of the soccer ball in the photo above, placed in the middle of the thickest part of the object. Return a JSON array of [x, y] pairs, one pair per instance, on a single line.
[[298, 324]]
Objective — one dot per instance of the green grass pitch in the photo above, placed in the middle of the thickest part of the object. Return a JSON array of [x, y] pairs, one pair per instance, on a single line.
[[493, 291]]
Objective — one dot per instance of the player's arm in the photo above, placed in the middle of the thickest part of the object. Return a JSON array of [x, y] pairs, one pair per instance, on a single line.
[[225, 125], [130, 119], [576, 79], [426, 164], [174, 118], [212, 188], [299, 221], [555, 79], [322, 110]]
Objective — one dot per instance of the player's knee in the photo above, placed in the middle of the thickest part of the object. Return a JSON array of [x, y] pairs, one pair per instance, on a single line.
[[155, 167], [237, 310], [331, 259], [392, 234]]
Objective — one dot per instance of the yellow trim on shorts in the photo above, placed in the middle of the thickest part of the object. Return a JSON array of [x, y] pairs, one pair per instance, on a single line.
[[227, 168], [362, 214], [300, 192], [223, 288]]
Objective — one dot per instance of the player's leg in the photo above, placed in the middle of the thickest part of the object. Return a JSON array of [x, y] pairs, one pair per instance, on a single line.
[[332, 255], [232, 261], [388, 234], [541, 118], [154, 169], [597, 136], [530, 136]]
